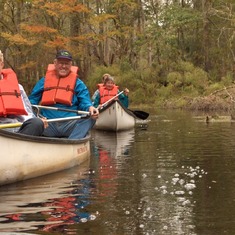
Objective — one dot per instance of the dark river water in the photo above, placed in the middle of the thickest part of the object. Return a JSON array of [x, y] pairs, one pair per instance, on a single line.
[[174, 174]]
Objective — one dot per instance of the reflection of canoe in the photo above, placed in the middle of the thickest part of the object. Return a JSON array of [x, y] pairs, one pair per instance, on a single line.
[[36, 196], [116, 143], [24, 157], [115, 117]]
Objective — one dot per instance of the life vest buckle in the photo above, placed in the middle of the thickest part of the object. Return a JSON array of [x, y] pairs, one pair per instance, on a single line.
[[16, 94]]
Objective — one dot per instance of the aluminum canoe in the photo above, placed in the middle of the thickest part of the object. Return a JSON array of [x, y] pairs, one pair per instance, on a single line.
[[23, 157], [115, 117]]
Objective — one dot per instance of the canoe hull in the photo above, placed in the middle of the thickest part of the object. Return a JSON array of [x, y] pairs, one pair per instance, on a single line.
[[115, 117], [24, 157]]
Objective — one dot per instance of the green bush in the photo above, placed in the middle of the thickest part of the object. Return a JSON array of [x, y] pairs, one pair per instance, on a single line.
[[184, 66], [227, 80], [165, 92], [174, 77], [214, 87]]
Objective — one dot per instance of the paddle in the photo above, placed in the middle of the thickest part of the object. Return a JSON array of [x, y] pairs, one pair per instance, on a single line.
[[18, 124], [140, 114], [60, 109]]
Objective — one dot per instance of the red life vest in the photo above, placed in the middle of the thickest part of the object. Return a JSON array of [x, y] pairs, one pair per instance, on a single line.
[[11, 102], [59, 90], [106, 94]]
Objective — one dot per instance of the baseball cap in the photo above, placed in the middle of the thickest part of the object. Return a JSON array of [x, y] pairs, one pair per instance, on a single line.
[[63, 54]]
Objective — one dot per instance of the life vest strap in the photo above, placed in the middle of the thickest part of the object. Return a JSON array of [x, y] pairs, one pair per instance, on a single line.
[[59, 87], [15, 93]]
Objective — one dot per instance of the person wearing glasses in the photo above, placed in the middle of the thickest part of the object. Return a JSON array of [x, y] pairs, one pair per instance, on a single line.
[[61, 88]]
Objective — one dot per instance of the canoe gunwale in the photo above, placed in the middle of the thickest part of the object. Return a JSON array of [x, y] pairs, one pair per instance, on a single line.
[[119, 102], [42, 139]]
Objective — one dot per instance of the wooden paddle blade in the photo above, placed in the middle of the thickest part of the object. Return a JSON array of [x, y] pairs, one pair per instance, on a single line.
[[140, 114]]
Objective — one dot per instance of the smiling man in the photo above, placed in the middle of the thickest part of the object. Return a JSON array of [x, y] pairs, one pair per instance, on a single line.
[[61, 88]]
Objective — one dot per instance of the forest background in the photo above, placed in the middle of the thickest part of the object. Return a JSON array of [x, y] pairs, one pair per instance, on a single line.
[[169, 53]]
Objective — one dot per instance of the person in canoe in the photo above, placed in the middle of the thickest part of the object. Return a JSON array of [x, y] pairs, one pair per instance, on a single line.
[[15, 106], [107, 91], [101, 84], [61, 88]]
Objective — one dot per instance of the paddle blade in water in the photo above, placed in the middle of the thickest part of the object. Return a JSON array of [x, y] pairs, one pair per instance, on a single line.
[[140, 114]]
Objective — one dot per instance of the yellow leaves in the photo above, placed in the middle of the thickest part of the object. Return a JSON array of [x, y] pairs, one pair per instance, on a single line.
[[102, 18], [58, 42], [38, 29], [128, 5], [80, 8], [66, 7], [18, 39], [82, 38]]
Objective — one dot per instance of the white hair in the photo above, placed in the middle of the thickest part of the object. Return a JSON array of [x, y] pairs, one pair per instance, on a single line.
[[1, 56]]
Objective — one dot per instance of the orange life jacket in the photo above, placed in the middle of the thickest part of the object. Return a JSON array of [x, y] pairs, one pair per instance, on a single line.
[[59, 90], [106, 94], [11, 102], [100, 85]]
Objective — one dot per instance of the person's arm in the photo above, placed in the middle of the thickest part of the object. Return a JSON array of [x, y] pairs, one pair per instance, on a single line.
[[96, 100], [94, 95], [124, 98], [83, 96], [83, 99], [27, 105], [36, 94]]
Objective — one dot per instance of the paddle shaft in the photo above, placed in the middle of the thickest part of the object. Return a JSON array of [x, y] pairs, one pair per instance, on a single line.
[[19, 124], [60, 109]]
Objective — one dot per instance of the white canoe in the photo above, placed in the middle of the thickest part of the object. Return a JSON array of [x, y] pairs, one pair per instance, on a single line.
[[23, 157], [115, 117]]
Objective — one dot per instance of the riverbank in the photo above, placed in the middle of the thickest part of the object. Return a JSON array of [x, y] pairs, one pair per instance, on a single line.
[[219, 100]]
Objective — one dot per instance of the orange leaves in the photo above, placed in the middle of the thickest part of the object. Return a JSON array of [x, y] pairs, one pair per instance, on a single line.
[[18, 39], [38, 29], [65, 7], [58, 42]]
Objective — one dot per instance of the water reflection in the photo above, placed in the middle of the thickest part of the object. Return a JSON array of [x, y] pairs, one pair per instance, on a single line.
[[174, 177], [48, 203], [182, 153], [109, 154], [54, 202], [115, 143]]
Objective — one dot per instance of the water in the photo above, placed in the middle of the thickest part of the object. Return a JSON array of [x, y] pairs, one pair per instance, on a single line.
[[172, 175]]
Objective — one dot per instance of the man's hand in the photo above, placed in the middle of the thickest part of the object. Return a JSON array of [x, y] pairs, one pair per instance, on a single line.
[[44, 120], [94, 112]]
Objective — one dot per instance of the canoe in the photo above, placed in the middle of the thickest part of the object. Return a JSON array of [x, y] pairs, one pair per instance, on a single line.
[[115, 117], [23, 157]]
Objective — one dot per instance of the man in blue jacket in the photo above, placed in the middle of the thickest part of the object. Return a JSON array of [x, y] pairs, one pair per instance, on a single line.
[[61, 88]]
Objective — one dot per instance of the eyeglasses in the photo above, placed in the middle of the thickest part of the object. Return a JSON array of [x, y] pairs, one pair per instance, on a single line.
[[64, 63]]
